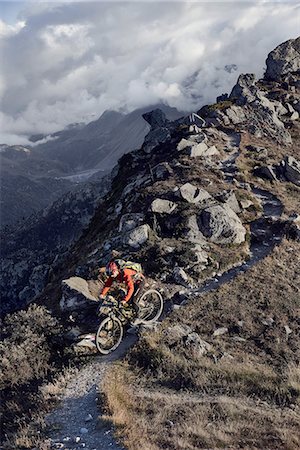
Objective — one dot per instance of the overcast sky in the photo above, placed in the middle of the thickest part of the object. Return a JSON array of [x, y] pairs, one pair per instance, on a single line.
[[68, 62]]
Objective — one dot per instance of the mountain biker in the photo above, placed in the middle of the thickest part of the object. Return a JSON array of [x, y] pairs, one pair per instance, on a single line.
[[133, 280]]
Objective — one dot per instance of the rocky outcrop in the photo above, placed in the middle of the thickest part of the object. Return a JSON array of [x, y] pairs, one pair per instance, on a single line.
[[76, 294], [283, 60], [291, 167], [193, 194], [221, 225], [245, 90], [137, 237], [162, 206]]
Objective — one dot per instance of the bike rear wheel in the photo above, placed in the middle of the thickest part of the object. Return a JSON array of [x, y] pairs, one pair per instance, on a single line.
[[150, 306], [109, 335]]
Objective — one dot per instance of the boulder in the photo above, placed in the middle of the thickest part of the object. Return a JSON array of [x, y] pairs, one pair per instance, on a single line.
[[193, 233], [197, 345], [267, 172], [221, 225], [235, 114], [245, 89], [130, 221], [185, 143], [156, 118], [291, 167], [211, 151], [75, 294], [180, 276], [193, 194], [162, 206], [283, 59], [198, 150], [229, 199], [220, 331], [176, 333], [162, 171], [137, 237]]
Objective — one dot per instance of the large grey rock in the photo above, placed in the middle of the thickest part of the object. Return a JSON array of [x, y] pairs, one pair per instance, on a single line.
[[229, 199], [193, 194], [193, 233], [137, 237], [197, 345], [176, 333], [130, 221], [162, 206], [221, 225], [283, 59], [180, 276], [292, 169], [267, 172], [245, 90], [156, 118], [75, 294], [198, 150], [235, 114]]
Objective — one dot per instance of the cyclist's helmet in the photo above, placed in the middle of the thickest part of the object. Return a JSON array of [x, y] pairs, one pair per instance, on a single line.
[[112, 269]]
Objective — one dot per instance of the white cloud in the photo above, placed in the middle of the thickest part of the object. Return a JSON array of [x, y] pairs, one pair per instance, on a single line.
[[68, 62]]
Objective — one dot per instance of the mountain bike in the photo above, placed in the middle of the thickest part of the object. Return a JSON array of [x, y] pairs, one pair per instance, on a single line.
[[115, 318]]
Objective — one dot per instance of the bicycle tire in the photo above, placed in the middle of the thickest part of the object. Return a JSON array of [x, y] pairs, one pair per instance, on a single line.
[[104, 327], [151, 303]]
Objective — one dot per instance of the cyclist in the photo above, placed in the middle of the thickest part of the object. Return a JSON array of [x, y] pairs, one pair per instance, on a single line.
[[134, 281]]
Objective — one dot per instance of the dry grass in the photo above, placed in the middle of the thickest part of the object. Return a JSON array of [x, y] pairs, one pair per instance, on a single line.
[[243, 394], [287, 192]]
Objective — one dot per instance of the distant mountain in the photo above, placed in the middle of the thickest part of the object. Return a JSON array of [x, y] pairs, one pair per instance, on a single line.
[[33, 177], [102, 142]]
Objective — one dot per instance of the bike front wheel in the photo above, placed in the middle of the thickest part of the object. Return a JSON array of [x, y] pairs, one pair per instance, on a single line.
[[109, 335], [150, 306]]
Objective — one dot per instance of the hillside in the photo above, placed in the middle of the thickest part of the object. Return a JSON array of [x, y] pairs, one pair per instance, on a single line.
[[198, 207], [33, 177]]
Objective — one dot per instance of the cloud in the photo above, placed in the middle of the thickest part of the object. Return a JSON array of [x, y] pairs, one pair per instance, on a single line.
[[68, 62]]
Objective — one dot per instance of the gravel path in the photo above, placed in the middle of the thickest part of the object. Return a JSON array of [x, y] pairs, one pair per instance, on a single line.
[[76, 424]]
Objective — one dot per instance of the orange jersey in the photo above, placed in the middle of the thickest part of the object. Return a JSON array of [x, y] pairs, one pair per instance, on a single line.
[[125, 276]]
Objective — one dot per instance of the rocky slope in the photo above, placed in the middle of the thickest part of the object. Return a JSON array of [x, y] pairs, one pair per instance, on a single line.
[[184, 205], [34, 176]]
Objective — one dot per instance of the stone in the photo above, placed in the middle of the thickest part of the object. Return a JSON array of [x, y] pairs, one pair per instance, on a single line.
[[197, 345], [245, 203], [162, 171], [156, 118], [221, 225], [75, 294], [211, 151], [283, 59], [180, 276], [291, 167], [130, 221], [229, 199], [176, 333], [83, 430], [193, 194], [245, 90], [162, 206], [197, 150], [269, 321], [137, 237], [185, 143], [220, 331], [288, 330], [295, 116], [235, 114], [266, 172], [88, 418], [193, 233]]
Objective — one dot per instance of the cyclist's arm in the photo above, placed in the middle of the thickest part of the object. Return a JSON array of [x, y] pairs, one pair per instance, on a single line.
[[130, 286], [107, 286]]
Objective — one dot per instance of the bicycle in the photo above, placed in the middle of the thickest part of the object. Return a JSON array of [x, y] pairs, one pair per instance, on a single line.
[[148, 308]]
